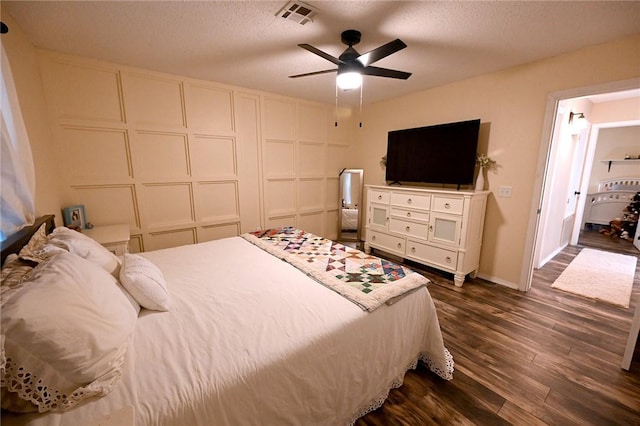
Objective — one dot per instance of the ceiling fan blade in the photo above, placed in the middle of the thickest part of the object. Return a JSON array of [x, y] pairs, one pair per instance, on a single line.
[[384, 72], [312, 73], [321, 53], [381, 52]]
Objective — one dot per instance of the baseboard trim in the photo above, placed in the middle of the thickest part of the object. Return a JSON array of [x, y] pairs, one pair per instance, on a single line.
[[499, 281]]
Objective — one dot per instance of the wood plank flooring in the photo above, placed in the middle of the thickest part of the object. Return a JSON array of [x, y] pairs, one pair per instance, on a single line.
[[545, 357]]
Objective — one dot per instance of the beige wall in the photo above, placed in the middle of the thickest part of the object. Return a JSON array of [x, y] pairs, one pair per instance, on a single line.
[[615, 111], [617, 141], [511, 105], [24, 66], [179, 160], [184, 161], [613, 144]]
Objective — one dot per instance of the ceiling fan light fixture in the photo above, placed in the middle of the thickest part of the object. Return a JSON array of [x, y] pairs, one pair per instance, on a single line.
[[349, 80]]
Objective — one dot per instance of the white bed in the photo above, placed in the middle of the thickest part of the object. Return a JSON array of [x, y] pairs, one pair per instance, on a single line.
[[243, 346], [608, 202]]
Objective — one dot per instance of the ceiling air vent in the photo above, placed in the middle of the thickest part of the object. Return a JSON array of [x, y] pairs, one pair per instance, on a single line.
[[297, 12]]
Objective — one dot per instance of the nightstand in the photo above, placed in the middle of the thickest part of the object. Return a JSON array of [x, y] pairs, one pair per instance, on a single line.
[[114, 237]]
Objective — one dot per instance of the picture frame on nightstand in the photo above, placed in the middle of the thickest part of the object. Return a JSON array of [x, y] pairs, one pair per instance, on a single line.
[[74, 216]]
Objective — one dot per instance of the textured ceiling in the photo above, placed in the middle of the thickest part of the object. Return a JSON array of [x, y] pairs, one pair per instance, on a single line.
[[244, 43]]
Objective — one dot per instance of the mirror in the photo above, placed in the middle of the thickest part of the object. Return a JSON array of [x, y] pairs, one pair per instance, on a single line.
[[351, 182]]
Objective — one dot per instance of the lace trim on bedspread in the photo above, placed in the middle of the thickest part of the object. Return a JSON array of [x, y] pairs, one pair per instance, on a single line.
[[378, 401], [447, 374]]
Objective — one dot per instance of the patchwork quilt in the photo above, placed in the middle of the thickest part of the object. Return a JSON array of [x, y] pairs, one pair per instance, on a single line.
[[368, 281]]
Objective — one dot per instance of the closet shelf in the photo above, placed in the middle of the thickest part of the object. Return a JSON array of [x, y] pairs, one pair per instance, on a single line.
[[616, 161]]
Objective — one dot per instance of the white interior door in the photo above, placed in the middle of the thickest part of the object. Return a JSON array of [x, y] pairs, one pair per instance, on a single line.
[[579, 153], [573, 189], [562, 187]]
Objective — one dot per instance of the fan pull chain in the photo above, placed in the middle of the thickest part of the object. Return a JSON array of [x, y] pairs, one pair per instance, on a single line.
[[336, 122], [361, 103]]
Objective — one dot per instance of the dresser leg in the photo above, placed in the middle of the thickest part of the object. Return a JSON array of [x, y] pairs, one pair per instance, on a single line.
[[367, 249], [458, 279]]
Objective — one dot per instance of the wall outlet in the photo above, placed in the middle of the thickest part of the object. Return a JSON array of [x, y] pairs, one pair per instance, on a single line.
[[505, 192]]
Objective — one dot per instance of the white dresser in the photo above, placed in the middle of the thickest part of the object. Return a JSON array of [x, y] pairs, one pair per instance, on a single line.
[[438, 228]]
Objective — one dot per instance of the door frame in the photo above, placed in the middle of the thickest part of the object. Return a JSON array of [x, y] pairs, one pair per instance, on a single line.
[[526, 272]]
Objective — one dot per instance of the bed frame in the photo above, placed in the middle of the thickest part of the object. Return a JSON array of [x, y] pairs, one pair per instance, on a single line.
[[15, 242], [612, 197]]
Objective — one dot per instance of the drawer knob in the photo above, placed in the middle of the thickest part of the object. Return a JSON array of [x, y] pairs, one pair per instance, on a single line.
[[448, 259], [399, 245], [408, 228], [430, 227], [447, 205], [379, 197], [408, 214], [413, 249], [409, 201], [373, 238]]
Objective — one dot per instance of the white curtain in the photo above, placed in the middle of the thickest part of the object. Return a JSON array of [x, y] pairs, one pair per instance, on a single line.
[[17, 175]]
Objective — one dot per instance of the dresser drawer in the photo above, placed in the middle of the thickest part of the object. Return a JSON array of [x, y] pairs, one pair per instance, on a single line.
[[415, 201], [416, 215], [376, 196], [386, 242], [442, 258], [447, 205], [410, 229]]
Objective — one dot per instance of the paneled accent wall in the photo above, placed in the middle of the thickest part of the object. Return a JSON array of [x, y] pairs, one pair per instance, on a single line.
[[303, 153], [185, 161]]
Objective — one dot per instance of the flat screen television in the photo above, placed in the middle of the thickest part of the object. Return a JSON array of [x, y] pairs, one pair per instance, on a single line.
[[439, 154]]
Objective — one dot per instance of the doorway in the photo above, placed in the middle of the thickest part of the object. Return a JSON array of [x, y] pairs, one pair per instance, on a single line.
[[566, 215]]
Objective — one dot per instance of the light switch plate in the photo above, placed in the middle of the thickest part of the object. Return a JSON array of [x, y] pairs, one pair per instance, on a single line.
[[505, 192]]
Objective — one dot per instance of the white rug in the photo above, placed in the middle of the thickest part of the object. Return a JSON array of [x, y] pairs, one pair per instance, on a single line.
[[600, 275]]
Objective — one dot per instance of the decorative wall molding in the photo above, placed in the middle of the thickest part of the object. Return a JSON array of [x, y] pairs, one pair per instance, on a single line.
[[183, 160], [167, 204], [108, 204], [101, 89], [155, 101]]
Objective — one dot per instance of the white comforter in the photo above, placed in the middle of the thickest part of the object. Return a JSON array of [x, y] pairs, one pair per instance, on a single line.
[[241, 347]]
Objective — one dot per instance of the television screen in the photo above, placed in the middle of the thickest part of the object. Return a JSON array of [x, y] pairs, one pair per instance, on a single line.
[[442, 154]]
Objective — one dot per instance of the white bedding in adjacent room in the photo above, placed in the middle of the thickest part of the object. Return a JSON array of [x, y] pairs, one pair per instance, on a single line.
[[240, 346], [349, 219], [610, 201]]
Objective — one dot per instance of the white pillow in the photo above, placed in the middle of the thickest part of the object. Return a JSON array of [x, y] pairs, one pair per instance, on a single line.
[[85, 247], [64, 334], [145, 282]]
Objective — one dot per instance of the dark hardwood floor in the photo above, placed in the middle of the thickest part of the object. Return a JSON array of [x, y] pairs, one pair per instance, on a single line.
[[536, 358]]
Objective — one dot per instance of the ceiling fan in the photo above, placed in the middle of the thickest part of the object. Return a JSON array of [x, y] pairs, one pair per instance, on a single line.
[[352, 65]]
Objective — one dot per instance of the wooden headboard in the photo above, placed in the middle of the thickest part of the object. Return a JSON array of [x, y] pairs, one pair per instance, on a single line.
[[15, 242]]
